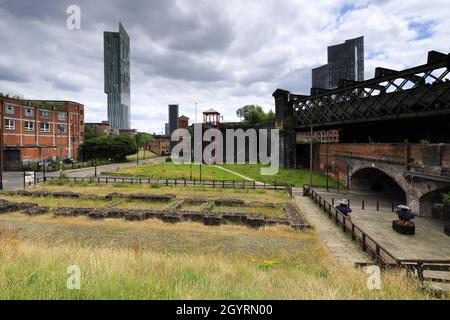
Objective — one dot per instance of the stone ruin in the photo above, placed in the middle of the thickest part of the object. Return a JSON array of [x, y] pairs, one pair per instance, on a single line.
[[172, 214]]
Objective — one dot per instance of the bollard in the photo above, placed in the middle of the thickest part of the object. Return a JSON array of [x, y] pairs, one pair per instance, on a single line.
[[393, 210], [378, 206], [362, 205], [332, 201]]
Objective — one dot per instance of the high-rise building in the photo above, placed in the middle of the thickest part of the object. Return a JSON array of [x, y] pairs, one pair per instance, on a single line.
[[166, 129], [173, 116], [117, 77], [320, 77], [345, 61]]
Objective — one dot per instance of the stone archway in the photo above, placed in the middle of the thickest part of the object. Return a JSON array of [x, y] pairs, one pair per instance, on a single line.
[[373, 179], [428, 201]]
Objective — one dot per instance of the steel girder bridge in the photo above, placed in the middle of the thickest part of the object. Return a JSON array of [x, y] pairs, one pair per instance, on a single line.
[[416, 92]]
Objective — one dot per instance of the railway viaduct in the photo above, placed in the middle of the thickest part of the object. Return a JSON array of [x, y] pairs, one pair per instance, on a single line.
[[389, 134]]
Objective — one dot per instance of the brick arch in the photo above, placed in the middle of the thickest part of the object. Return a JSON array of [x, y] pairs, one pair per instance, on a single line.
[[390, 172]]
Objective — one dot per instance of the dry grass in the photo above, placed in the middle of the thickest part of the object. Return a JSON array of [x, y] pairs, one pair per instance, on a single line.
[[277, 212], [153, 260], [58, 202], [181, 192]]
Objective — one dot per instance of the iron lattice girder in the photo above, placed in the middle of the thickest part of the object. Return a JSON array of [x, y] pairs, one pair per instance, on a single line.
[[420, 91]]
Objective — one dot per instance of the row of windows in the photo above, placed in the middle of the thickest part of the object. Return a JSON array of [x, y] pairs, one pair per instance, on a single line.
[[29, 112], [29, 126]]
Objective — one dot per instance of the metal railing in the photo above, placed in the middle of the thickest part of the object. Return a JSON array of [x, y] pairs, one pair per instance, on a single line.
[[382, 256], [175, 182]]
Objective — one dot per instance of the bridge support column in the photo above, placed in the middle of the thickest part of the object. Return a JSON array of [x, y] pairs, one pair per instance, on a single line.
[[414, 203]]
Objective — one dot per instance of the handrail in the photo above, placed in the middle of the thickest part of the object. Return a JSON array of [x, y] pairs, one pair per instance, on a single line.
[[379, 250], [277, 185]]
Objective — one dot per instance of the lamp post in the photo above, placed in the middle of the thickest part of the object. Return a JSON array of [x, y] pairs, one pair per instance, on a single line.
[[1, 153], [326, 157], [96, 147], [60, 129], [310, 156]]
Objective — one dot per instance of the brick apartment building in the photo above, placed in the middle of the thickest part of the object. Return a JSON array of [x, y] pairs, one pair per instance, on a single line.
[[36, 130], [160, 146]]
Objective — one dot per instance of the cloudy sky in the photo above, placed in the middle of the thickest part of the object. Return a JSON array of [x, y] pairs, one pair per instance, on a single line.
[[221, 54]]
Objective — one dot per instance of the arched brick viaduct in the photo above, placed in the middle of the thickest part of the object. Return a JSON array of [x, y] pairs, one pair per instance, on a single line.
[[420, 170]]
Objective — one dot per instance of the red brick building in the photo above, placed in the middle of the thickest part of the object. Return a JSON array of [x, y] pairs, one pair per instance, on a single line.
[[36, 130]]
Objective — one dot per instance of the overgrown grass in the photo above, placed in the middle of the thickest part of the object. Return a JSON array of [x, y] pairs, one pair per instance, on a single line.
[[181, 192], [232, 263], [58, 202], [148, 155], [266, 211]]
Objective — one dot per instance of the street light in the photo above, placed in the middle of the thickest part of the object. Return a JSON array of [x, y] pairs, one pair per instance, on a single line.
[[96, 147], [60, 129]]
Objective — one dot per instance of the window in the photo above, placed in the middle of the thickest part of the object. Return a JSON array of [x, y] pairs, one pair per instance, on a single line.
[[61, 128], [61, 116], [10, 109], [10, 124], [45, 114], [45, 127], [29, 112], [29, 126]]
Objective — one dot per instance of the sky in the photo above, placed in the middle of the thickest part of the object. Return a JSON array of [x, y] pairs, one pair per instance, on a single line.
[[218, 54]]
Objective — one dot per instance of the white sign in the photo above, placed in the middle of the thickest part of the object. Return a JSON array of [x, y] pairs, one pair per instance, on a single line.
[[29, 177]]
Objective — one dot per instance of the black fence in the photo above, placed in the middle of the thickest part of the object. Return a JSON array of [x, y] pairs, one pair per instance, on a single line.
[[173, 182]]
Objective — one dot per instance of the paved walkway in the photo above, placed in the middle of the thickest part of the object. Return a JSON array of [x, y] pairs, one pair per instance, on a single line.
[[237, 174], [429, 243], [343, 249]]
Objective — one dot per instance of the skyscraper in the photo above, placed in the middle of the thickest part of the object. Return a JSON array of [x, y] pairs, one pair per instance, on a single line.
[[173, 116], [345, 61], [117, 77]]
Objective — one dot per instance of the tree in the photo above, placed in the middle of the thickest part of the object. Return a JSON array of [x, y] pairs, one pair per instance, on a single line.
[[254, 114], [143, 139], [109, 147]]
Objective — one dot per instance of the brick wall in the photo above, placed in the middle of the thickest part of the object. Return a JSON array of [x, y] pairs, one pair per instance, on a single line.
[[387, 153], [31, 128]]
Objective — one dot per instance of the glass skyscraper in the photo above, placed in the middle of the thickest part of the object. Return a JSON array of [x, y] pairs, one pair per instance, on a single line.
[[117, 77], [345, 61]]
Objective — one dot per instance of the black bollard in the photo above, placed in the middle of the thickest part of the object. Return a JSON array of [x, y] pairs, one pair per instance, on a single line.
[[378, 206], [362, 206], [332, 201]]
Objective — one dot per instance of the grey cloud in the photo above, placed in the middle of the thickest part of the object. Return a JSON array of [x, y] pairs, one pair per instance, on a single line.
[[12, 74], [58, 82]]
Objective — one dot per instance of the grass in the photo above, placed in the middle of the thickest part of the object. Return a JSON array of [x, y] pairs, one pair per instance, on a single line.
[[136, 204], [152, 260], [296, 177], [171, 170], [181, 192], [148, 155], [58, 202], [266, 211]]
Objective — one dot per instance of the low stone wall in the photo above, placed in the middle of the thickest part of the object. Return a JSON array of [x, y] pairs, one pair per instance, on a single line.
[[172, 214]]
